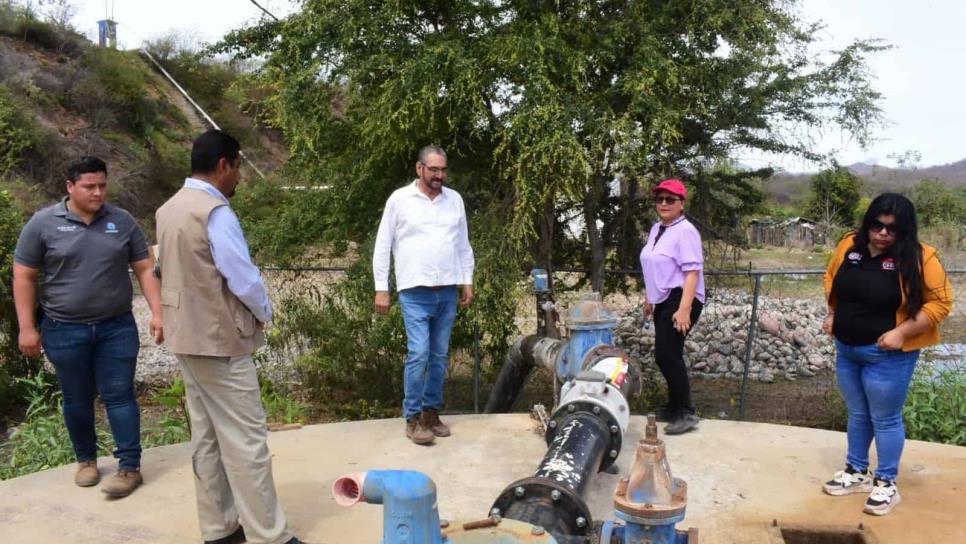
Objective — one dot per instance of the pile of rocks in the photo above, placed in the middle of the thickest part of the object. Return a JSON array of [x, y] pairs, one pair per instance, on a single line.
[[789, 342]]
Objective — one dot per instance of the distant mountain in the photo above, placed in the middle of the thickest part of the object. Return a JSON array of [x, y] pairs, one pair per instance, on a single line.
[[785, 187]]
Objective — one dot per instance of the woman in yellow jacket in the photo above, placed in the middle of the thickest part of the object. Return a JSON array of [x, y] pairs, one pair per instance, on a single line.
[[887, 294]]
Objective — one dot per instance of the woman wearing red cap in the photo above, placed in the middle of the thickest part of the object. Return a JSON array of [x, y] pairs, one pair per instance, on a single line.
[[673, 263]]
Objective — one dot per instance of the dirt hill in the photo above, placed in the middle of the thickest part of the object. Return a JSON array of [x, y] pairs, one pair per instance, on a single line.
[[59, 102]]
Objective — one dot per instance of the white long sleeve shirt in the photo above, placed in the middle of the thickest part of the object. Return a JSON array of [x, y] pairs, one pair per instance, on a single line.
[[232, 258], [429, 240]]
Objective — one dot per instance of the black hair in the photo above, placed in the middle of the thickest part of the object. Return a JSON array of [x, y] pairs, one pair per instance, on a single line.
[[211, 147], [907, 250], [88, 164]]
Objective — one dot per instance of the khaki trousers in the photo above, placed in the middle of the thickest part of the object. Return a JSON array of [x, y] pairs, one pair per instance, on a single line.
[[231, 461]]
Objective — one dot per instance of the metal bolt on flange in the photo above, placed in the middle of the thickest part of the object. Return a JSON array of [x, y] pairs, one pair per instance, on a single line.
[[495, 512], [571, 407], [614, 429], [519, 491], [552, 424], [613, 454], [596, 410], [555, 495], [581, 522], [537, 530]]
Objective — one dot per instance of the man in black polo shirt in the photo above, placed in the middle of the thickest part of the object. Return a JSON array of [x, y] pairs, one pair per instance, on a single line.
[[83, 246]]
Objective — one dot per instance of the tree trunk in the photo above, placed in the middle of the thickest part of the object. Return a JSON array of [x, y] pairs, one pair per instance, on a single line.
[[591, 202], [546, 224]]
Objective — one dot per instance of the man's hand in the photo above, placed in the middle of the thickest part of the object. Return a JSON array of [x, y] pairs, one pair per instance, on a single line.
[[648, 309], [157, 328], [382, 302], [30, 342], [467, 297], [891, 340]]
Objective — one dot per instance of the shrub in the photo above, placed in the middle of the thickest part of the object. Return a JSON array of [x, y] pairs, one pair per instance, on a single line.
[[12, 363], [16, 135], [935, 409]]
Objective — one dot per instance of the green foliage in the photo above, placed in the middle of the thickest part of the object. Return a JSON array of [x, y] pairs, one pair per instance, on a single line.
[[13, 365], [834, 197], [175, 425], [41, 441], [16, 134], [20, 20], [937, 203], [543, 105], [935, 408], [281, 407], [120, 84]]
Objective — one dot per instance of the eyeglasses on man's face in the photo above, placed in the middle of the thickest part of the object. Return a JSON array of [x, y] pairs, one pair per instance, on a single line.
[[435, 170], [877, 226], [666, 199]]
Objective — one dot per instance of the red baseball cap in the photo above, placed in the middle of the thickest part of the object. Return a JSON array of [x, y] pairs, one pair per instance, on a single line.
[[673, 186]]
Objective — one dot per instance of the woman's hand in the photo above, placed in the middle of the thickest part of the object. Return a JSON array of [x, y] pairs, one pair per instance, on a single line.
[[891, 340], [682, 320], [827, 324]]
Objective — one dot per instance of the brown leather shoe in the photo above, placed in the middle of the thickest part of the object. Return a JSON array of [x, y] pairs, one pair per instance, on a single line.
[[430, 420], [122, 483], [87, 474], [416, 432]]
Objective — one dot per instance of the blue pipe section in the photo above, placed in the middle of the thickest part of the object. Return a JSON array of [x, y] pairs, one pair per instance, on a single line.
[[410, 514], [638, 533]]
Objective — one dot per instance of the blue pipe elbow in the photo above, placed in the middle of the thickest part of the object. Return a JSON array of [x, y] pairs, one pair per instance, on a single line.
[[410, 512]]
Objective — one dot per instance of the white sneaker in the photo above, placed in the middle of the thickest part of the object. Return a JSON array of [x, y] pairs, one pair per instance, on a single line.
[[884, 497], [848, 481]]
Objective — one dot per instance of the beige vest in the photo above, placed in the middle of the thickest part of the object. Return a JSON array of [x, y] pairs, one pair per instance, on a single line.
[[201, 316]]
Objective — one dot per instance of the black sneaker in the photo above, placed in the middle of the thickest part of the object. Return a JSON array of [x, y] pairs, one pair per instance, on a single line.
[[682, 424], [238, 537], [884, 497], [664, 415], [848, 481]]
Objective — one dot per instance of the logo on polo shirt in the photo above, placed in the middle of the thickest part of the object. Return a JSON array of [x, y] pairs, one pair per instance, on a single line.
[[855, 256], [888, 263], [67, 228], [111, 228]]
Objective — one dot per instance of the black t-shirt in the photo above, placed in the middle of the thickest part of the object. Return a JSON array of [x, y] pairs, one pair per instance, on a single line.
[[868, 293]]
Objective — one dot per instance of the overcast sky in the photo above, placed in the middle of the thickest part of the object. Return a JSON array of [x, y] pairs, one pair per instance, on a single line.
[[922, 78]]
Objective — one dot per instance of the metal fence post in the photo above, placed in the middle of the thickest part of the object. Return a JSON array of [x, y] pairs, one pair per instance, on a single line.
[[749, 345], [476, 368]]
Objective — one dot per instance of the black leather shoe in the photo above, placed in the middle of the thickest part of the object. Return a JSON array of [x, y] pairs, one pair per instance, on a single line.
[[238, 537], [295, 541]]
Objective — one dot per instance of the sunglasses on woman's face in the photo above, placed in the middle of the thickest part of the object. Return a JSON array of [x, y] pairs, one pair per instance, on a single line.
[[877, 226], [666, 199]]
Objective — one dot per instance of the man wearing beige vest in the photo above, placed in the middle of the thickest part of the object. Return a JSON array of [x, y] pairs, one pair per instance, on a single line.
[[214, 308]]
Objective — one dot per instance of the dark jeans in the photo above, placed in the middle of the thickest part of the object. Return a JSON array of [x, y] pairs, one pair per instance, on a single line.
[[97, 358], [669, 352]]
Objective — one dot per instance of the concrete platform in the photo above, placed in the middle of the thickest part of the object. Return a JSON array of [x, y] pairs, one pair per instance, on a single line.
[[740, 477]]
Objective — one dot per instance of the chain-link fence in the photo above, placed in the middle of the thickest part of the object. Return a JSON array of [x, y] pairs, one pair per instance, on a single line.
[[781, 370]]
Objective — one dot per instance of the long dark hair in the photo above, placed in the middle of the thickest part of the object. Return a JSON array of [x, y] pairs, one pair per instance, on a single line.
[[907, 250]]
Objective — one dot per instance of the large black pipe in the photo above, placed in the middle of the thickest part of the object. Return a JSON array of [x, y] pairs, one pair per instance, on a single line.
[[551, 498], [575, 452], [517, 365]]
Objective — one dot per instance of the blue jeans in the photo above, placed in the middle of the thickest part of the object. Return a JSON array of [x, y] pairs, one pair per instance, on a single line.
[[97, 358], [874, 383], [429, 315]]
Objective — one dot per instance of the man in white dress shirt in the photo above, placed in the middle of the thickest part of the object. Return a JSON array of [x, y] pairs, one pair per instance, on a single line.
[[215, 302], [424, 228]]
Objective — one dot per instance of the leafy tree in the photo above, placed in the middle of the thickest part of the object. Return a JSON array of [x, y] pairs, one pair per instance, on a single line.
[[545, 105], [557, 116], [938, 203], [834, 196]]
